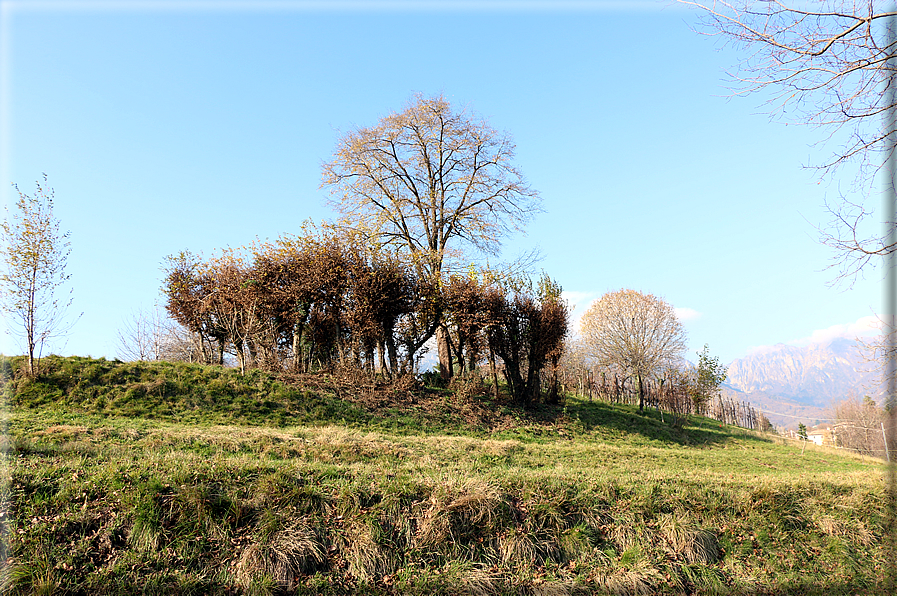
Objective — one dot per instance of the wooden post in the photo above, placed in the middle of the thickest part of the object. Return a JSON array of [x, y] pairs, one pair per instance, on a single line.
[[885, 437]]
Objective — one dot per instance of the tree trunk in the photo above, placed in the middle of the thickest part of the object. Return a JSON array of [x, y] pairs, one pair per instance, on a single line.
[[492, 367], [393, 353], [381, 349], [641, 394], [241, 356], [297, 349], [444, 349]]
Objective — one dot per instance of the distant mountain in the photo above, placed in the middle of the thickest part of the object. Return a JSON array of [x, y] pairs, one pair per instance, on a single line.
[[804, 381], [813, 375]]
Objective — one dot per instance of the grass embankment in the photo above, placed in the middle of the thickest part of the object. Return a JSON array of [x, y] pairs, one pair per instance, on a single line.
[[163, 478]]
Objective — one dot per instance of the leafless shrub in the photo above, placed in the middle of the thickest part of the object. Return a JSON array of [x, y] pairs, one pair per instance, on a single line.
[[467, 385], [151, 335]]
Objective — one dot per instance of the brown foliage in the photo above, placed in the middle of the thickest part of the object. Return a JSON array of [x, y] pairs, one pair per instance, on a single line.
[[333, 301], [526, 331]]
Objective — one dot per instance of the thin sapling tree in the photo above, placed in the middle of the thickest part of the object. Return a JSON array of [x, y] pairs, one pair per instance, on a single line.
[[34, 256]]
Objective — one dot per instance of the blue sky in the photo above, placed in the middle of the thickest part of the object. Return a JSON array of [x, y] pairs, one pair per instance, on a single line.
[[171, 126]]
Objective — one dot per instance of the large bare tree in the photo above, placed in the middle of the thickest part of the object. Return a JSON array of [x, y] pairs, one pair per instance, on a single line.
[[430, 179], [829, 64], [34, 256], [637, 333]]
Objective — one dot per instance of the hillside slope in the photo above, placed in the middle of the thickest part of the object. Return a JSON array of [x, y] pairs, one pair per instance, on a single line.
[[590, 498]]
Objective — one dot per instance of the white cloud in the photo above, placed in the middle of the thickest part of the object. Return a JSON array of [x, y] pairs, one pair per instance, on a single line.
[[758, 350], [862, 327], [687, 314]]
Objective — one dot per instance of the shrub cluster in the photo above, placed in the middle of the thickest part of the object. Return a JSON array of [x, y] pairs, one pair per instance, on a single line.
[[333, 299]]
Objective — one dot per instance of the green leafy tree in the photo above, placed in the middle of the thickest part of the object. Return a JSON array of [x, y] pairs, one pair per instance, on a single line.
[[710, 377], [802, 431], [34, 256]]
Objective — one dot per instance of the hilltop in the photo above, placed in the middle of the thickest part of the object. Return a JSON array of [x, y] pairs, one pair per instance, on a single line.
[[173, 478]]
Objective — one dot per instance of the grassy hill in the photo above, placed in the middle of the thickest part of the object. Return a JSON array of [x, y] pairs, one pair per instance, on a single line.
[[162, 478]]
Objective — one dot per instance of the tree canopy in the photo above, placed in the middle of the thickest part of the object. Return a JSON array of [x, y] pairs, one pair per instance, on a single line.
[[637, 333], [430, 177]]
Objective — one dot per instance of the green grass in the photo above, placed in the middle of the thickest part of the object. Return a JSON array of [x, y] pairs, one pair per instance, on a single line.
[[206, 482]]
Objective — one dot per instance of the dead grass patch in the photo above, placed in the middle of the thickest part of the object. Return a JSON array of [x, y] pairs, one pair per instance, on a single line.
[[62, 431], [285, 556], [633, 581], [456, 517], [367, 559], [695, 545]]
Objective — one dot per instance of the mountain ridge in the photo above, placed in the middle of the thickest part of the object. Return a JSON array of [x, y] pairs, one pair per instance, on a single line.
[[803, 383]]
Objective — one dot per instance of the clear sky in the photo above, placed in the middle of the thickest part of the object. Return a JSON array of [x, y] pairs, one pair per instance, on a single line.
[[165, 126]]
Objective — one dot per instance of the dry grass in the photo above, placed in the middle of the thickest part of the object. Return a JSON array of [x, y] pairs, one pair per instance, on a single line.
[[611, 508], [285, 556], [695, 545], [457, 513], [478, 581], [367, 559], [637, 581]]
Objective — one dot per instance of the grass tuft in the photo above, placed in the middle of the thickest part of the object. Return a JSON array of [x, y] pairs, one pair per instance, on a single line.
[[283, 557]]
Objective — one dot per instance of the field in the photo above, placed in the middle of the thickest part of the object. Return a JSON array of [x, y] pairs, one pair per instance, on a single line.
[[162, 478]]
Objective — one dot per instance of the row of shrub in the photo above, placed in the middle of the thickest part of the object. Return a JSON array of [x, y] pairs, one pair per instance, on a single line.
[[333, 298]]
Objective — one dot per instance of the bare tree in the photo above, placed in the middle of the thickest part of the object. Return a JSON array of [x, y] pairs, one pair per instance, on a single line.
[[142, 337], [827, 64], [636, 332], [859, 426], [575, 369], [35, 253], [428, 177], [152, 335]]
